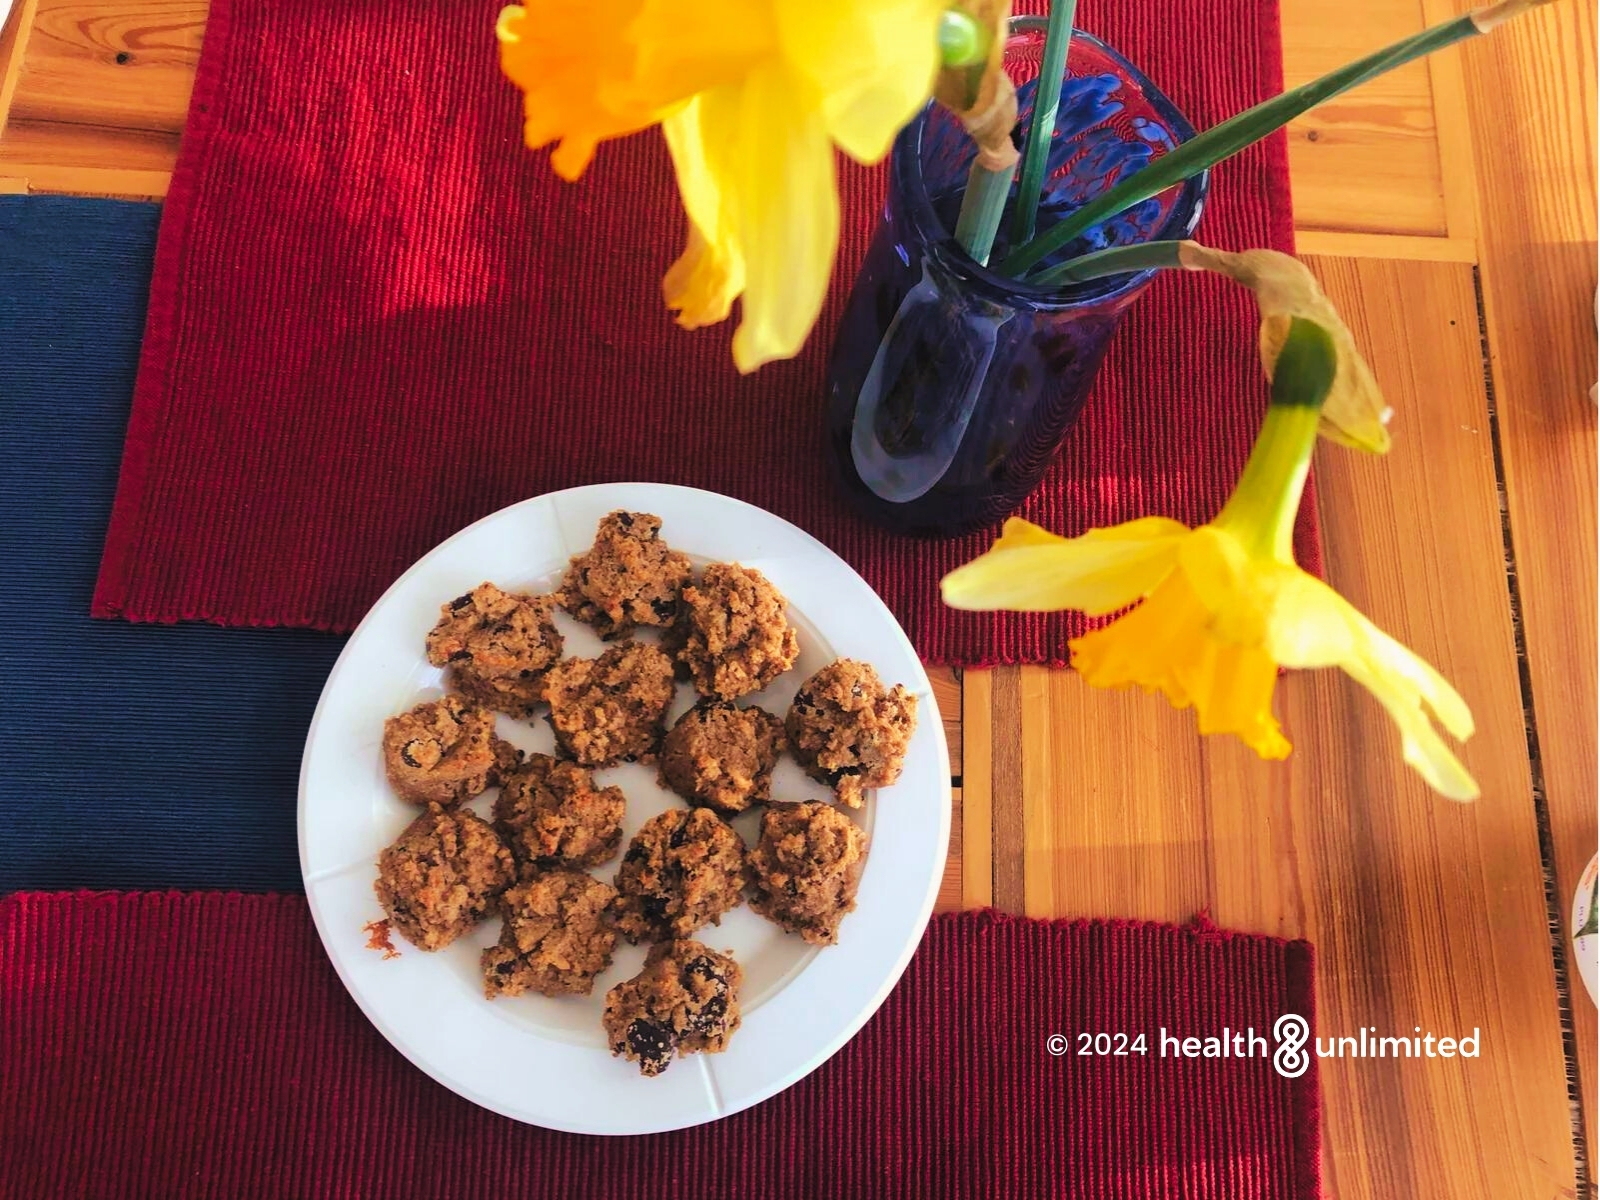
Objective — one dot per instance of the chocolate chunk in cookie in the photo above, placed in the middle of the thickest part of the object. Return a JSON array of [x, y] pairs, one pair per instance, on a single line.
[[722, 756], [445, 751], [555, 939], [551, 813], [442, 876], [848, 732], [612, 708], [805, 868], [684, 1001], [683, 869], [736, 637], [497, 647], [628, 578]]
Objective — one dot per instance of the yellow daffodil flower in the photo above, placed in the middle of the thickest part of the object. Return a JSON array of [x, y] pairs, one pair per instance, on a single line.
[[753, 96], [1354, 413], [1218, 609]]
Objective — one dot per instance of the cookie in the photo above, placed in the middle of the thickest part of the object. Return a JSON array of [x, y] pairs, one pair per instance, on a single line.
[[722, 756], [445, 751], [610, 709], [628, 578], [555, 939], [550, 813], [497, 647], [684, 1001], [805, 868], [848, 732], [442, 876], [735, 635], [683, 869]]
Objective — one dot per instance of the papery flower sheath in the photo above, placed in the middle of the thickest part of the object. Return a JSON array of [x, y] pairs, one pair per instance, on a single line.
[[1354, 414], [753, 97], [1218, 609]]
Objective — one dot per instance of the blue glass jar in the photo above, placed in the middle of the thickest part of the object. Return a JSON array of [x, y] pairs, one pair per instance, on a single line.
[[952, 387]]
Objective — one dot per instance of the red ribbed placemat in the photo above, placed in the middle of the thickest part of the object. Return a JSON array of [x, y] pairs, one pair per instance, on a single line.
[[170, 1045], [375, 317]]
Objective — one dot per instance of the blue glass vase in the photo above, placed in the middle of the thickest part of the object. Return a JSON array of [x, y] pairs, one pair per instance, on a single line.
[[951, 387]]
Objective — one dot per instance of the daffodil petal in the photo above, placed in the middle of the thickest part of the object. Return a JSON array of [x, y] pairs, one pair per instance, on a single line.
[[1420, 743], [1314, 626], [1166, 644], [560, 57], [872, 63], [1031, 570], [702, 284], [778, 186], [684, 47]]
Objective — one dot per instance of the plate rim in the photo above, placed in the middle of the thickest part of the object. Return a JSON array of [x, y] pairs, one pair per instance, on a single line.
[[847, 1030]]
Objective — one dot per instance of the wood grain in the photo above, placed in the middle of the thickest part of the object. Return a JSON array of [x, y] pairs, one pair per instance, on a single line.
[[977, 780], [951, 898], [1424, 912], [104, 85], [1366, 161], [1531, 93], [947, 695]]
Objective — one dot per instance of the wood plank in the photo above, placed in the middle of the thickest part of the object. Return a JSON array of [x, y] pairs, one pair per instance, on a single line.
[[1333, 243], [89, 181], [105, 84], [14, 39], [977, 779], [1532, 103], [1367, 161], [1425, 913], [950, 893], [947, 695], [1008, 775]]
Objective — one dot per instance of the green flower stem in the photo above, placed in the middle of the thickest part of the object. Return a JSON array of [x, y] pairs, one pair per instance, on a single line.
[[981, 207], [1262, 509], [1046, 102], [1117, 260], [1224, 140]]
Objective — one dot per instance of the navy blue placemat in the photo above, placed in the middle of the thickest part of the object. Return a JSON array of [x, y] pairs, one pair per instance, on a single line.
[[136, 756]]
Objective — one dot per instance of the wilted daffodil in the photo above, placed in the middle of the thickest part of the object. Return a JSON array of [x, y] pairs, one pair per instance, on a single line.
[[753, 96], [1354, 413], [1219, 608]]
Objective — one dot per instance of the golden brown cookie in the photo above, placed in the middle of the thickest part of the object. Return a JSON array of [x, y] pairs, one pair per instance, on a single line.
[[610, 709], [551, 813], [442, 876], [555, 939], [445, 751], [684, 1001], [497, 646], [805, 868], [735, 633], [848, 731], [628, 578], [683, 869], [722, 756]]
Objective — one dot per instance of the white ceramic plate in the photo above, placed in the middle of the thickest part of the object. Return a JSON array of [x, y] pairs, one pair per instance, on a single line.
[[1586, 946], [544, 1060]]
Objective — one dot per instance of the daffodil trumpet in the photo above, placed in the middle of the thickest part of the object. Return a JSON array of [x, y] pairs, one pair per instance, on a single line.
[[1216, 610]]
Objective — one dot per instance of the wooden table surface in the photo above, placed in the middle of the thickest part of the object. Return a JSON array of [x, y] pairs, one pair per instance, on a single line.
[[1449, 209]]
